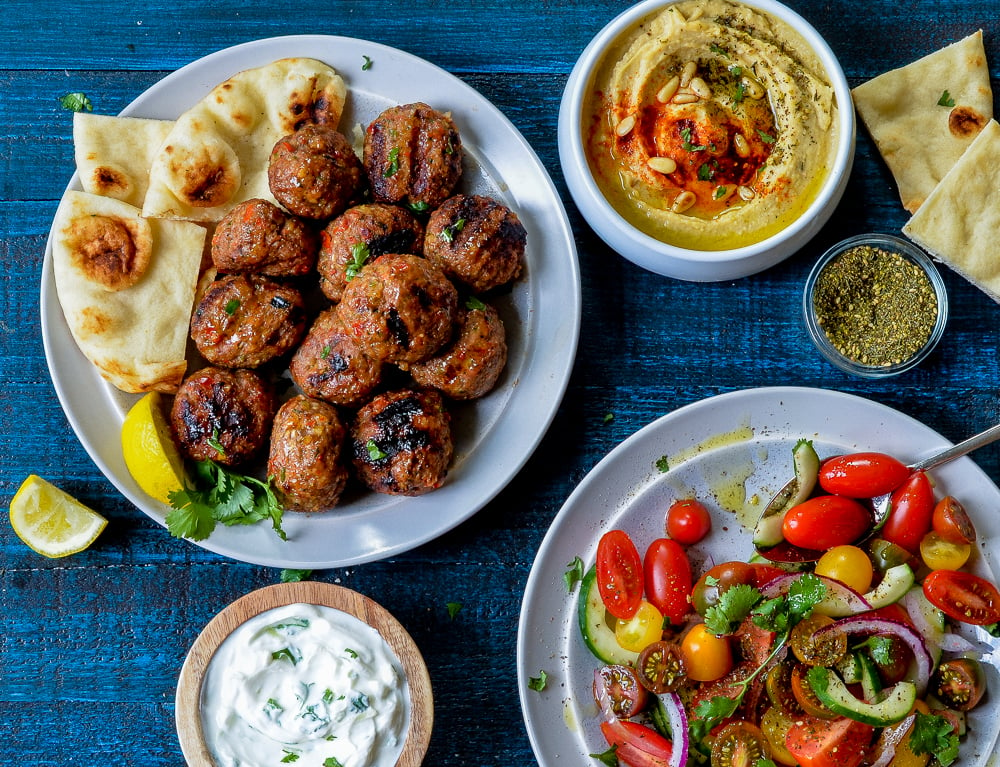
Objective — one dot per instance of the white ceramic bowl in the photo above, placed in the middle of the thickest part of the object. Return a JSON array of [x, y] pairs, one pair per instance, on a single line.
[[670, 260]]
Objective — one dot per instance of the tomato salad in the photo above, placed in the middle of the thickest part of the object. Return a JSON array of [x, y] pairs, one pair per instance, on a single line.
[[843, 661]]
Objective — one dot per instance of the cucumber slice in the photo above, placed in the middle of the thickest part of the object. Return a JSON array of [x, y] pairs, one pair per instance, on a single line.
[[806, 465], [894, 707], [849, 668], [871, 684], [598, 635], [894, 584]]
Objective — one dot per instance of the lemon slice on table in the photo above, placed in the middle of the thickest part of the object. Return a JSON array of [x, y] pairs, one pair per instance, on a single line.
[[149, 452], [51, 521]]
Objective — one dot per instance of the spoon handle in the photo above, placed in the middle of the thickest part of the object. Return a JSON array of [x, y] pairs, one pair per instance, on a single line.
[[967, 446]]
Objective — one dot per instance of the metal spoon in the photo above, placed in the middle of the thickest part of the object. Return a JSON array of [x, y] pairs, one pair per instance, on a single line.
[[881, 505]]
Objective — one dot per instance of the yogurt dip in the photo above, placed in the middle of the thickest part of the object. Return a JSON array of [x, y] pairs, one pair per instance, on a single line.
[[308, 685]]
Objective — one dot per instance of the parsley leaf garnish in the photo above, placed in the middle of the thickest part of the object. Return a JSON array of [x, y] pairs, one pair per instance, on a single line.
[[453, 609], [767, 138], [473, 304], [367, 63], [294, 576], [946, 100], [393, 167], [221, 495], [734, 605], [332, 761], [573, 574], [360, 253], [663, 464], [537, 683], [932, 734], [289, 757], [76, 101], [449, 232], [375, 453], [231, 306], [686, 143], [608, 757]]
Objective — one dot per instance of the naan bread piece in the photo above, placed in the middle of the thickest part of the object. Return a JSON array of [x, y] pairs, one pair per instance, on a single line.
[[919, 139], [216, 155], [126, 285], [958, 223], [114, 154]]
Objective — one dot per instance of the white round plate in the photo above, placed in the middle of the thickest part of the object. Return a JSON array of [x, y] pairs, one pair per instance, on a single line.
[[494, 436], [726, 451]]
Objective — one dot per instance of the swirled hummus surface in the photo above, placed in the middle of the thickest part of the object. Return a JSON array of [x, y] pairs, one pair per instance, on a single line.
[[710, 125]]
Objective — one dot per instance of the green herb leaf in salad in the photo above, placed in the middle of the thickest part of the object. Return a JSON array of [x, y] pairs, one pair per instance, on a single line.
[[933, 734], [608, 757], [77, 101], [295, 576], [573, 574], [733, 607], [538, 683], [453, 609]]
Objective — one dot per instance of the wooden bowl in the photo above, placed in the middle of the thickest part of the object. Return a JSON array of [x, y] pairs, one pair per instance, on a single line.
[[188, 701]]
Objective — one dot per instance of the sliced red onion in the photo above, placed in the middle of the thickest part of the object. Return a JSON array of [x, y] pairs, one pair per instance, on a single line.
[[952, 642], [678, 728], [840, 600], [912, 638]]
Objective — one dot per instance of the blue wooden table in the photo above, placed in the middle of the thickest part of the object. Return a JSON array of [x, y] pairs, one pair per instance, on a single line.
[[91, 645]]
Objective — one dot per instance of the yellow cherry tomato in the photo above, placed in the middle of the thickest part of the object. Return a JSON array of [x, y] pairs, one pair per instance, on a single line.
[[848, 564], [775, 725], [641, 630], [939, 553], [706, 657]]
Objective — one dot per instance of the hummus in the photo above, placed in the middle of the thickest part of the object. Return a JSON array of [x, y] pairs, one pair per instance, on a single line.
[[710, 125]]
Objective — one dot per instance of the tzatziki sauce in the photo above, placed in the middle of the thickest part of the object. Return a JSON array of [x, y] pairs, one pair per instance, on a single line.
[[307, 685]]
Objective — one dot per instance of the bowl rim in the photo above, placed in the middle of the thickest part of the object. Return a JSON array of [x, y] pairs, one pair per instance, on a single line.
[[591, 201], [187, 712], [908, 250]]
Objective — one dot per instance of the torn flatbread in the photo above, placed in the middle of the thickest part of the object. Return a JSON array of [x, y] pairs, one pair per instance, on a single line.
[[126, 285], [217, 153], [924, 115]]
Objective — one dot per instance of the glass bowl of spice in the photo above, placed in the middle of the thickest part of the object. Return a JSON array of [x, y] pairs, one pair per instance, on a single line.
[[875, 305]]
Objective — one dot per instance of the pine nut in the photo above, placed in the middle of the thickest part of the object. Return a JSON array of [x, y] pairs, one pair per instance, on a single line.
[[663, 165], [689, 71], [740, 145], [746, 193], [684, 201], [625, 125], [667, 91], [700, 88], [684, 97]]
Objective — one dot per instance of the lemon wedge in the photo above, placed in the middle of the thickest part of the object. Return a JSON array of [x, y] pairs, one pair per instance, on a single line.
[[149, 452], [51, 521]]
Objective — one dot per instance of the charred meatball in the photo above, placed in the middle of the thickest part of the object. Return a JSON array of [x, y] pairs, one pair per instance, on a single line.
[[401, 442], [305, 462], [476, 240], [413, 155], [331, 366], [361, 234], [315, 173], [259, 237], [399, 309], [223, 415], [470, 366], [245, 320]]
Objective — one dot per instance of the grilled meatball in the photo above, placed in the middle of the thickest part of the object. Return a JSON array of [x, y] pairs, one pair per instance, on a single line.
[[399, 309], [361, 234], [315, 173], [245, 320], [223, 415], [470, 366], [259, 237], [305, 461], [331, 366], [476, 240], [413, 155], [401, 442]]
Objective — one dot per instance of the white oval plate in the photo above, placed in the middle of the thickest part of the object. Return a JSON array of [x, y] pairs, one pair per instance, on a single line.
[[494, 436], [724, 450]]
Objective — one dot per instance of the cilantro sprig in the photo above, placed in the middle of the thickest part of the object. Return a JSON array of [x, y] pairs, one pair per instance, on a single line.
[[933, 734], [221, 495]]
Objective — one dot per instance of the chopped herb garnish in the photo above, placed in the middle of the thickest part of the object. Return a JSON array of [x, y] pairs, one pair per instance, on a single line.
[[449, 232], [933, 734], [608, 758], [721, 192], [573, 574], [608, 417], [375, 453], [663, 464], [946, 100], [360, 253], [76, 101], [332, 761], [328, 696], [367, 63], [352, 653], [273, 705], [688, 146], [767, 138], [325, 351], [289, 756], [473, 304], [419, 206], [453, 609], [295, 576], [393, 167], [231, 306], [221, 495], [706, 171], [360, 704], [537, 683], [716, 48], [284, 654]]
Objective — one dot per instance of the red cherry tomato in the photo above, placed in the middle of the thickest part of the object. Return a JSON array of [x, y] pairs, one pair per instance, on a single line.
[[619, 574], [637, 745], [862, 475], [840, 742], [963, 596], [688, 521], [667, 576], [825, 521], [910, 513], [951, 521]]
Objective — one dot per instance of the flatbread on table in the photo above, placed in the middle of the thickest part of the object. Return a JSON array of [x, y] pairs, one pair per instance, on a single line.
[[114, 154], [959, 222], [126, 285], [216, 154], [920, 139]]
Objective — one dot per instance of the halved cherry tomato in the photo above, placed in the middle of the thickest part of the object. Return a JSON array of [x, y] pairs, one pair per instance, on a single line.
[[621, 684], [862, 475], [707, 657], [660, 667], [738, 744], [778, 685], [775, 725], [637, 745], [959, 683], [951, 521], [911, 512], [667, 576], [717, 581], [813, 651], [825, 521], [688, 521], [940, 553], [619, 574], [643, 628], [838, 742], [963, 596], [804, 695]]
